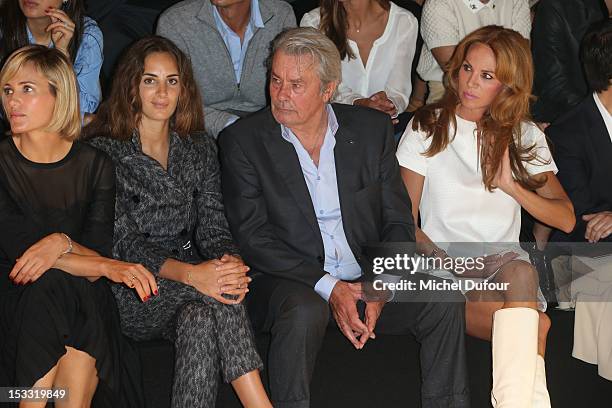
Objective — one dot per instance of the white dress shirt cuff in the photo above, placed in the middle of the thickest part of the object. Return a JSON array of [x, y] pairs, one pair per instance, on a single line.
[[325, 285]]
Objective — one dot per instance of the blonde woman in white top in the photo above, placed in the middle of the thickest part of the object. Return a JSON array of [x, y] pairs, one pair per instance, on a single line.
[[469, 163], [377, 42]]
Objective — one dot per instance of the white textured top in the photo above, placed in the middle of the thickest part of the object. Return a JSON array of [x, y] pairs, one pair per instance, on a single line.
[[455, 205], [389, 63], [447, 22]]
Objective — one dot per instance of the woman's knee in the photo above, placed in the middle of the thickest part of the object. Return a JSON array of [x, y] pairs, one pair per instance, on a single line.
[[76, 370], [519, 273]]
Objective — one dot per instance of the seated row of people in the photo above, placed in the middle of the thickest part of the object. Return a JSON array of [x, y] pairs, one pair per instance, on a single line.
[[181, 277], [306, 184], [377, 41], [368, 34]]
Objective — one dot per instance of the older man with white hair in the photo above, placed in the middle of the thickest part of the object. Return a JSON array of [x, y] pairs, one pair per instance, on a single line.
[[307, 184]]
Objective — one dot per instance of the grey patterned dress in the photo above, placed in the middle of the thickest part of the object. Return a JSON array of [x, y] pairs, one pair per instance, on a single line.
[[178, 213]]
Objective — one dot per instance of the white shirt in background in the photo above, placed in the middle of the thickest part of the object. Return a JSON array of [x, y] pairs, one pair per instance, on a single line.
[[389, 64], [447, 22]]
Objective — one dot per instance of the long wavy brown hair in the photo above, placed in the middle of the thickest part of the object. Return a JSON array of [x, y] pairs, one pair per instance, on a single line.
[[120, 114], [334, 24], [500, 126]]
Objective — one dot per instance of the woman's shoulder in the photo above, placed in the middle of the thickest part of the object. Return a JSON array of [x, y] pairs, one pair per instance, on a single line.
[[403, 23], [91, 31], [94, 157], [416, 134], [312, 18], [112, 147], [90, 26], [531, 134], [202, 142], [403, 14]]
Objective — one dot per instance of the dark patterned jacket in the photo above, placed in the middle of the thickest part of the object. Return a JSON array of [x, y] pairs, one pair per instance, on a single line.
[[162, 214]]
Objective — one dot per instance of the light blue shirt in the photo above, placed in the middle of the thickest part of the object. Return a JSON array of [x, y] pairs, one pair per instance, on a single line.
[[86, 65], [237, 50], [340, 263]]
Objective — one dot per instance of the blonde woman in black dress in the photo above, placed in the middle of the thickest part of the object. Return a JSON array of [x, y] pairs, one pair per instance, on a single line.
[[59, 325]]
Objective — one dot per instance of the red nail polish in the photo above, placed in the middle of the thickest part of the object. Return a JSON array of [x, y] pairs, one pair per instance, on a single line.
[[155, 292]]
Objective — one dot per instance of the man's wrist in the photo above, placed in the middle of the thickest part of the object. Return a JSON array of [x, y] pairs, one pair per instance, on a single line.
[[326, 285]]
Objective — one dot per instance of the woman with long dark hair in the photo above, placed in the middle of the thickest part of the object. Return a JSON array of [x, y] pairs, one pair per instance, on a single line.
[[63, 25], [377, 42], [469, 163], [59, 324], [169, 218]]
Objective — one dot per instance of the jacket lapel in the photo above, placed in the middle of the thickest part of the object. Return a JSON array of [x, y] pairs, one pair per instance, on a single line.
[[287, 165], [149, 171], [347, 166]]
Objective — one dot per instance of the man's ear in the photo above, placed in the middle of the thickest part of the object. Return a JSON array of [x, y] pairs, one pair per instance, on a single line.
[[329, 90]]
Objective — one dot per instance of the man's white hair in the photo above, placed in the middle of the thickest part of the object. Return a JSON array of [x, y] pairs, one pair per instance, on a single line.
[[309, 41]]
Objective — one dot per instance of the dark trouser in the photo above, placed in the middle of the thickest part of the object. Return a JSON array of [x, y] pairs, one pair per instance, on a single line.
[[297, 318]]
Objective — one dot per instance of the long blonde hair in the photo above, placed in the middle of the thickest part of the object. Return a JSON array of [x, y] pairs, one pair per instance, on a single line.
[[500, 126]]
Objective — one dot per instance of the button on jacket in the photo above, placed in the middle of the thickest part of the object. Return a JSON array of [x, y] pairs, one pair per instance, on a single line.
[[174, 213]]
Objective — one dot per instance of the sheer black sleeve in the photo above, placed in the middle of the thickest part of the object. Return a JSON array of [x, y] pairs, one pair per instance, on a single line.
[[18, 230], [98, 228]]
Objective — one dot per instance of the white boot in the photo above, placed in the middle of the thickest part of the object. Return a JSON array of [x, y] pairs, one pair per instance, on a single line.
[[541, 399], [515, 350]]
